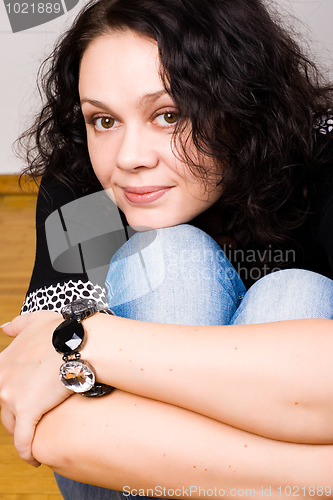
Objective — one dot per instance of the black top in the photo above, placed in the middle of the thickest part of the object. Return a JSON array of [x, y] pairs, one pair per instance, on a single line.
[[51, 197], [313, 250]]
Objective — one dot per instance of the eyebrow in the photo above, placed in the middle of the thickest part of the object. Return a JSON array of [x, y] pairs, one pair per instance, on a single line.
[[151, 98], [154, 96]]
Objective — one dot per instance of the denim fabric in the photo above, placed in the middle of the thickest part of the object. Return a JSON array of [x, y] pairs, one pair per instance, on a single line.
[[286, 294], [73, 490], [180, 275]]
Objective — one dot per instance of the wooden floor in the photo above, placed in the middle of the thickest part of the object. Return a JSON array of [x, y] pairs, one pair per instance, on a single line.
[[18, 481]]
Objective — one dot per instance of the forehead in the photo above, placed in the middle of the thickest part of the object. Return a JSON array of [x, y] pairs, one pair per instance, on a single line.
[[122, 60]]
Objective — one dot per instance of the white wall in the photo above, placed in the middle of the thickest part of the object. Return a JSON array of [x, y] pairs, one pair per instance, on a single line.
[[315, 25], [22, 52], [20, 56]]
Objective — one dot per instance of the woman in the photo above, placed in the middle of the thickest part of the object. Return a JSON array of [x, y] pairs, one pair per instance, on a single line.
[[203, 114]]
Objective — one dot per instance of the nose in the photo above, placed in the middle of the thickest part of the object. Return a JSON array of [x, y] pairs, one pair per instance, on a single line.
[[136, 148]]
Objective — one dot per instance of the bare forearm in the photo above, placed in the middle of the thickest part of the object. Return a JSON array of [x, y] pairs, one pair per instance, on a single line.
[[273, 379], [126, 440]]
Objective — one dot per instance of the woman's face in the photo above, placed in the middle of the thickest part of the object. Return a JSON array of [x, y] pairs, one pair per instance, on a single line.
[[130, 120]]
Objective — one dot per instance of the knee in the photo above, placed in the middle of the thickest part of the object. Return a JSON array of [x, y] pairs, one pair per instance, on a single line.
[[174, 238], [183, 252], [177, 252], [172, 258], [287, 294], [292, 283], [182, 246]]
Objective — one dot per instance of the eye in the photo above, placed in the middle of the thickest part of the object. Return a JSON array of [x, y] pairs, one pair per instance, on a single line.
[[167, 119], [103, 123]]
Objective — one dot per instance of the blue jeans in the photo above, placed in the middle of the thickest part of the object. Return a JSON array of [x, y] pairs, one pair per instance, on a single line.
[[179, 275]]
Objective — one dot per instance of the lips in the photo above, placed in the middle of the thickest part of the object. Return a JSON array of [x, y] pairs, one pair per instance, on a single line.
[[145, 194]]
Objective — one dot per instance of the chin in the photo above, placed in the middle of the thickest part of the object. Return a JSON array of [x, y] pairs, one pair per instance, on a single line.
[[145, 225], [142, 226], [148, 223]]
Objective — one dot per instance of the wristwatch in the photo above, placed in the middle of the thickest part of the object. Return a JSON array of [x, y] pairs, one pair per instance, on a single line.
[[68, 338]]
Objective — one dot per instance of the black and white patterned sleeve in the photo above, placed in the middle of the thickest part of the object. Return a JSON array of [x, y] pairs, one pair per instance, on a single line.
[[54, 297], [325, 124]]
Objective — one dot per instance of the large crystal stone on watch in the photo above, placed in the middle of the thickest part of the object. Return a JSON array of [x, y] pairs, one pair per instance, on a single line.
[[68, 336], [77, 375]]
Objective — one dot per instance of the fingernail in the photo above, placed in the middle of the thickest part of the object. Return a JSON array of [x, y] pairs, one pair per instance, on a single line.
[[5, 324]]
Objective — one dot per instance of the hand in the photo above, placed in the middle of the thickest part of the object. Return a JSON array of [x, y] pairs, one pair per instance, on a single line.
[[29, 377]]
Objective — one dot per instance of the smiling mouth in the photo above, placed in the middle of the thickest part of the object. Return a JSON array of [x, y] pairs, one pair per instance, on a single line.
[[145, 194]]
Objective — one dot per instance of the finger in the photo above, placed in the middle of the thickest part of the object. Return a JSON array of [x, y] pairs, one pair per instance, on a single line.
[[7, 419], [14, 327], [23, 437]]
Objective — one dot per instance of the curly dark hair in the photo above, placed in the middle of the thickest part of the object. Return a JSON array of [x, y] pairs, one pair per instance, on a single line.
[[252, 98]]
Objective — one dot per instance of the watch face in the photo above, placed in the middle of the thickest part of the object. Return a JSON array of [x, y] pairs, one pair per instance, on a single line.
[[77, 375]]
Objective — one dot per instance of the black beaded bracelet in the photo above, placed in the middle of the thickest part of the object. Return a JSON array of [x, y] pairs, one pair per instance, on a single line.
[[68, 338]]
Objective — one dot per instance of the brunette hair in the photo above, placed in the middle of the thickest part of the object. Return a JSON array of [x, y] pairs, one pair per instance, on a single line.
[[252, 98]]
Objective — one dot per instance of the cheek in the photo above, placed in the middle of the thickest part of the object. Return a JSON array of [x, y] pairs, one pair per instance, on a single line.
[[100, 158]]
